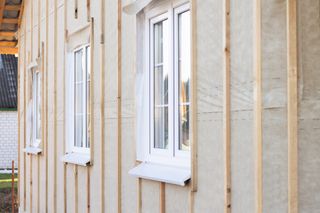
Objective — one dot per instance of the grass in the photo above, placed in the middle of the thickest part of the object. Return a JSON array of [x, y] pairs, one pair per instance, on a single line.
[[5, 181]]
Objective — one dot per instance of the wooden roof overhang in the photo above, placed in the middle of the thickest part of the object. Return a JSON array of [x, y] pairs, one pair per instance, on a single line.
[[10, 19]]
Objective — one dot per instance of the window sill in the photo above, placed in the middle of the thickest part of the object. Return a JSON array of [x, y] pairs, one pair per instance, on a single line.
[[32, 150], [161, 173], [76, 158]]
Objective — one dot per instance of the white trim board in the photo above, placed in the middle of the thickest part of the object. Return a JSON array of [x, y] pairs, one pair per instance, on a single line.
[[76, 158], [161, 173]]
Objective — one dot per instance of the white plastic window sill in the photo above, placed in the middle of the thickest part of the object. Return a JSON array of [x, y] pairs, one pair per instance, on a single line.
[[32, 150], [162, 173], [76, 158]]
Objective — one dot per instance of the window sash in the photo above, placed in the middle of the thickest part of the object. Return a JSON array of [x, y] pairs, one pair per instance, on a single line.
[[172, 155], [36, 109], [81, 100]]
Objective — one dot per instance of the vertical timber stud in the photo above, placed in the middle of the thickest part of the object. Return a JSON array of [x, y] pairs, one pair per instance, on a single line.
[[194, 135], [19, 115], [91, 110], [55, 49], [42, 114], [64, 105], [119, 126], [194, 145], [31, 60], [162, 197], [226, 106], [25, 116], [46, 119], [292, 78], [102, 88], [257, 102], [40, 58]]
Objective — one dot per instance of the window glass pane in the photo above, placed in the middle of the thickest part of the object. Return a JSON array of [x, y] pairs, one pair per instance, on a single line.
[[161, 128], [184, 79], [78, 131], [79, 88], [78, 66], [88, 72], [160, 61]]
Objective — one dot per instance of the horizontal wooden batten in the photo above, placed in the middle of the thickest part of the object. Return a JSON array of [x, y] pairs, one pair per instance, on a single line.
[[12, 7], [8, 44], [10, 21], [7, 33], [8, 50]]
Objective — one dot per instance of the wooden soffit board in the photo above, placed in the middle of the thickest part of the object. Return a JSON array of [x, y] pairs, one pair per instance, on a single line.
[[10, 19]]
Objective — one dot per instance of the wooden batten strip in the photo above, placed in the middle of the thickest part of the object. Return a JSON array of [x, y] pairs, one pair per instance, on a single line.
[[2, 4], [88, 10], [21, 12], [31, 59], [46, 106], [12, 7], [19, 117], [194, 144], [139, 197], [42, 104], [64, 106], [76, 189], [92, 91], [162, 197], [25, 117], [55, 51], [102, 111], [119, 103], [292, 78], [257, 72], [88, 190], [226, 106]]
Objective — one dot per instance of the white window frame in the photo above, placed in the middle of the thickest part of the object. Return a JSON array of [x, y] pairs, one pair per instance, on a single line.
[[36, 76], [171, 156], [85, 100]]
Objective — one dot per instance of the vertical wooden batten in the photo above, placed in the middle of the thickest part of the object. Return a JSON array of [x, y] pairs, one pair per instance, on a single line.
[[119, 108], [292, 81], [64, 104], [226, 106], [19, 117], [40, 57], [55, 49], [102, 112], [162, 197], [25, 116], [46, 105], [257, 73], [194, 144]]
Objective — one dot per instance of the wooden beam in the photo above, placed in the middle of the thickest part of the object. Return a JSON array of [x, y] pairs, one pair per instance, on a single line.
[[10, 20], [2, 4], [21, 12], [7, 33], [226, 107], [292, 81], [8, 50], [8, 43], [12, 7]]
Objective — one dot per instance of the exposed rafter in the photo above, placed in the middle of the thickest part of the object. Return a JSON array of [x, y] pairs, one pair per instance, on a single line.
[[10, 19]]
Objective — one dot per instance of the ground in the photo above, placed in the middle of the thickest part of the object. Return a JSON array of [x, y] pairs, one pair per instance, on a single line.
[[5, 193]]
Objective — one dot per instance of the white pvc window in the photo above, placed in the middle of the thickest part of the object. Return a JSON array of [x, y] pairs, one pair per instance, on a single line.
[[81, 102], [36, 109], [168, 58]]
